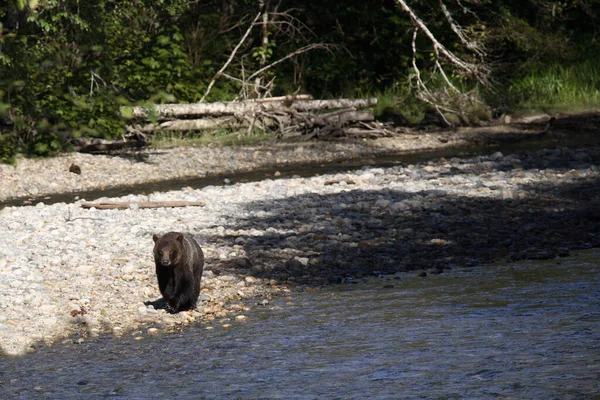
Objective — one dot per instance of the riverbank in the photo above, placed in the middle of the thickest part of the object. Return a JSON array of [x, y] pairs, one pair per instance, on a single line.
[[68, 271], [36, 178]]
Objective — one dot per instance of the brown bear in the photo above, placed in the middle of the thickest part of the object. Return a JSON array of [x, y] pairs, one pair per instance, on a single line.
[[179, 263]]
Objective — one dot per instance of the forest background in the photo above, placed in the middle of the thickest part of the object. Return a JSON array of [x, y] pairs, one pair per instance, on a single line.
[[68, 67]]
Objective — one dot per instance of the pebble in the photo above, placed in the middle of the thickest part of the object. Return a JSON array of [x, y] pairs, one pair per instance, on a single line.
[[263, 239]]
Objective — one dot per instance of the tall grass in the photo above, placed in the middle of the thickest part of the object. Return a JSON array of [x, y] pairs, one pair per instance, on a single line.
[[557, 87], [399, 96]]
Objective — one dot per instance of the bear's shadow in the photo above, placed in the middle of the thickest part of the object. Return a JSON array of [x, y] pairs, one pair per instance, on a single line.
[[158, 304], [161, 304]]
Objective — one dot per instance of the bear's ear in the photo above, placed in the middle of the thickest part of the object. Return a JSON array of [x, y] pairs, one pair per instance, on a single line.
[[155, 237], [180, 238]]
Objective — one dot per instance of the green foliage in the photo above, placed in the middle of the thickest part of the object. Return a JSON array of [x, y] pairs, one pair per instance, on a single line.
[[68, 67], [46, 145], [8, 148], [21, 4], [557, 87], [400, 96]]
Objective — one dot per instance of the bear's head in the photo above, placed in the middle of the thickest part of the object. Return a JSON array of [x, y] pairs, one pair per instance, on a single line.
[[168, 249]]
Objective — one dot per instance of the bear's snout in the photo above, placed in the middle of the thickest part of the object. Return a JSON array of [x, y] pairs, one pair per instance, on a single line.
[[165, 262]]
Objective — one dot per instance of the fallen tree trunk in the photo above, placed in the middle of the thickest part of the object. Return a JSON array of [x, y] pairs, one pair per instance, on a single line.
[[193, 124], [285, 98], [337, 117], [283, 120], [105, 146], [249, 107], [364, 133], [143, 204], [344, 116], [211, 123]]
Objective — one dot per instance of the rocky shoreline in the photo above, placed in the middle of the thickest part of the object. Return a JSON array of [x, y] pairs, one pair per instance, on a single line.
[[70, 272], [36, 178]]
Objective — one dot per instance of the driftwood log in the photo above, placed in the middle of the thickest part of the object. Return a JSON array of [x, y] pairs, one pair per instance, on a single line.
[[298, 117], [146, 204], [97, 146], [248, 107], [193, 124]]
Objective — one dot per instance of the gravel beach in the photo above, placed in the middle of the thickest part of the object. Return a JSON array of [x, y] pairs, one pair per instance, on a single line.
[[36, 178], [69, 272]]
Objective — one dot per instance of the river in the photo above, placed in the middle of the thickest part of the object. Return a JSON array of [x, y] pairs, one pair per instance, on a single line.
[[525, 330]]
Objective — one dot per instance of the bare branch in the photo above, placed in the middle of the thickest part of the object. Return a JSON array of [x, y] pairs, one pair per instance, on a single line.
[[466, 10], [469, 43], [420, 83], [293, 54], [478, 71], [233, 78], [422, 92], [443, 73], [231, 56], [293, 25]]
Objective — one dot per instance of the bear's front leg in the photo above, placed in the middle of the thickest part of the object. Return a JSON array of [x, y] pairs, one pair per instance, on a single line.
[[181, 299]]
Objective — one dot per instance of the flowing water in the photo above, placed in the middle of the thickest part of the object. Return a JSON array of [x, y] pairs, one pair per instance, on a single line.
[[527, 330]]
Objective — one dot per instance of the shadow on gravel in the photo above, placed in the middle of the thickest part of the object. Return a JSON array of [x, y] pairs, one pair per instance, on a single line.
[[158, 304], [314, 239]]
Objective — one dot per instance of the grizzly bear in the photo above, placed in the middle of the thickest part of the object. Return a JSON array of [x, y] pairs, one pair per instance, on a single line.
[[179, 263]]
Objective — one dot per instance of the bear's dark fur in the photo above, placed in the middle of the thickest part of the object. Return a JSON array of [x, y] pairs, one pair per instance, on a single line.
[[179, 264]]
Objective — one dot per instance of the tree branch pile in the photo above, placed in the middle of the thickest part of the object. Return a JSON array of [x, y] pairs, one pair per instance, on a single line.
[[290, 116]]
